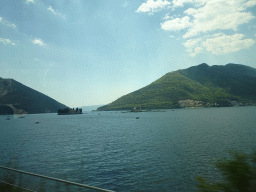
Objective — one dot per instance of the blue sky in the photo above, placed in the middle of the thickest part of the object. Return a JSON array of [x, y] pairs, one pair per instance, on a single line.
[[85, 52]]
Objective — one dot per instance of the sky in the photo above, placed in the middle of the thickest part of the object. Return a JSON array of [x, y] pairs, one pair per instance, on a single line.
[[85, 52]]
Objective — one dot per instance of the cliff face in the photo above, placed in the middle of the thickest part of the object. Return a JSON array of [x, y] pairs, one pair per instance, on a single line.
[[22, 99], [197, 86]]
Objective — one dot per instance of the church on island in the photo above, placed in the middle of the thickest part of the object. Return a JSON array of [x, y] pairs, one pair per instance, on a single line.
[[69, 111]]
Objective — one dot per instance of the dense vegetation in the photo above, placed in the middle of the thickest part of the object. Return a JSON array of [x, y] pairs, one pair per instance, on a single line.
[[211, 85], [238, 173], [67, 111], [25, 98]]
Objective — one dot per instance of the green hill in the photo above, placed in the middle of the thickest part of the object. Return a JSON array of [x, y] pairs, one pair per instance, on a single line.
[[19, 98], [197, 86]]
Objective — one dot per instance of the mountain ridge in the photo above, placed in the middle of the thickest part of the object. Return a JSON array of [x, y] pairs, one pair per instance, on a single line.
[[23, 99], [215, 85]]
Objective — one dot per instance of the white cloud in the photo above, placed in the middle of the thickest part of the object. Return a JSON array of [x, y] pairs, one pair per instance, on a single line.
[[190, 44], [6, 23], [38, 42], [210, 15], [55, 12], [153, 6], [6, 41], [218, 14], [30, 1], [196, 51], [166, 16], [176, 24], [193, 46], [227, 44], [204, 18], [218, 44], [250, 3], [172, 36], [52, 10], [179, 3]]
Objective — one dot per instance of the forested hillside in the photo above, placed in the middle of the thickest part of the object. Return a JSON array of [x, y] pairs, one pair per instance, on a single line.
[[23, 99], [201, 86]]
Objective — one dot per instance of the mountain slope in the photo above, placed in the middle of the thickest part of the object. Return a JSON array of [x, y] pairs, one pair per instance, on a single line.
[[24, 99], [216, 84], [239, 80]]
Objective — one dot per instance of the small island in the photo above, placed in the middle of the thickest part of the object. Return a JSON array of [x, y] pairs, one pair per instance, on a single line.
[[69, 111]]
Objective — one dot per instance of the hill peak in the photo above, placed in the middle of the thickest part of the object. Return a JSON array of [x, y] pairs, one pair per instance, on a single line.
[[203, 66], [26, 99], [200, 86]]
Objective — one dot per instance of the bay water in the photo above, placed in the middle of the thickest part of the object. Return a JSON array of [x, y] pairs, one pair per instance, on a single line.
[[160, 151]]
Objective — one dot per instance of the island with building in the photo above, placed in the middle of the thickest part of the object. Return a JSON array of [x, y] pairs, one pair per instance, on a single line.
[[69, 111]]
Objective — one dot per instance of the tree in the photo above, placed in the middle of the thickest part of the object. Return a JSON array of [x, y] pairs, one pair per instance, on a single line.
[[239, 175]]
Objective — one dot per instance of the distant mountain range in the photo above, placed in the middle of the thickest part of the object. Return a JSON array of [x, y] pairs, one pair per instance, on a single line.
[[197, 86], [16, 98], [90, 107]]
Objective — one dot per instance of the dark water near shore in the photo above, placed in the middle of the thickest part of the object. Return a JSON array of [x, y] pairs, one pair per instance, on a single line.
[[161, 151]]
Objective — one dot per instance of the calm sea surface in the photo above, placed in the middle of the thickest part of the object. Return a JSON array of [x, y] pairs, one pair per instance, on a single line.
[[160, 151]]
